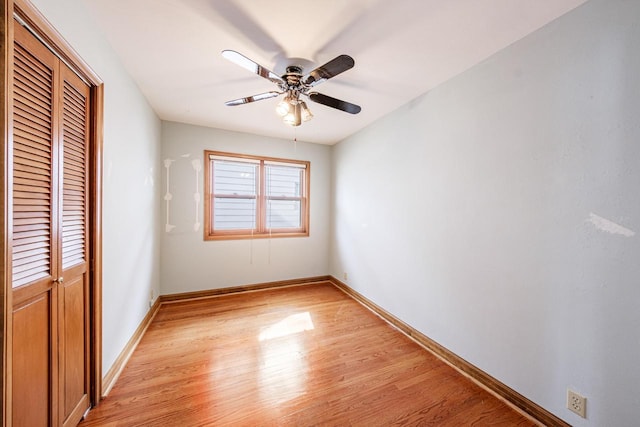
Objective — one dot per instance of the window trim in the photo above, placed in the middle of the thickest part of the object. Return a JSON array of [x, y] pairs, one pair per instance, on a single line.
[[261, 230]]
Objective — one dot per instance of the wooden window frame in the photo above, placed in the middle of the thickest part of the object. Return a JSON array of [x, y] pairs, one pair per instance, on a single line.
[[261, 230]]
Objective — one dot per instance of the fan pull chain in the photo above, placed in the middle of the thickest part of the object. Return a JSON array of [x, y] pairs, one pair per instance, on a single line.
[[251, 249], [295, 140], [270, 219], [269, 249]]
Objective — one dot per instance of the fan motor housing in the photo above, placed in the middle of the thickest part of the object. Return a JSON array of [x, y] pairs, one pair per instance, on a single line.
[[293, 77], [294, 69]]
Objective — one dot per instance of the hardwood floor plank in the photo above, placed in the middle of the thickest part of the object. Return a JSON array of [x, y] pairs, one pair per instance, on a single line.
[[307, 355]]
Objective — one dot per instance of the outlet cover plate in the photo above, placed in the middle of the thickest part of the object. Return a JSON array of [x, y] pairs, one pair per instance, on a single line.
[[577, 403]]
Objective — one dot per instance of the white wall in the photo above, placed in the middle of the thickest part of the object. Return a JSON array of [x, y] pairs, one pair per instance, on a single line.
[[131, 208], [188, 263], [469, 213]]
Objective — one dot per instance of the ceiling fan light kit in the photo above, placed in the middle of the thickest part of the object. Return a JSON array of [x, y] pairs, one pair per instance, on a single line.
[[306, 113], [293, 117], [294, 84]]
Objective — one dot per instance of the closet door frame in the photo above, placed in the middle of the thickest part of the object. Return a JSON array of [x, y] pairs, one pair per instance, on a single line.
[[39, 25]]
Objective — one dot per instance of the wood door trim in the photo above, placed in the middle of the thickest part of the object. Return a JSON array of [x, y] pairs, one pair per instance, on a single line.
[[39, 25], [95, 249], [6, 300]]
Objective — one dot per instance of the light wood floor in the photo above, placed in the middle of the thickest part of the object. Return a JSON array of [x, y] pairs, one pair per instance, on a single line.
[[300, 356]]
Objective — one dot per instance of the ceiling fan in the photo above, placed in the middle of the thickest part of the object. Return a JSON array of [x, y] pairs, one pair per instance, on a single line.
[[294, 84]]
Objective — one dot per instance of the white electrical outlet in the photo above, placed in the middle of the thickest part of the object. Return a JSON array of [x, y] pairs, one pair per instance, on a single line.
[[345, 276], [577, 403]]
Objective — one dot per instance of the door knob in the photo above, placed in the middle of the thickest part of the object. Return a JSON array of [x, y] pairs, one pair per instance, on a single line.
[[59, 280]]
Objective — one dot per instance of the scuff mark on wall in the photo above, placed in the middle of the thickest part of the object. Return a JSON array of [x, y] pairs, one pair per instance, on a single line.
[[608, 226], [148, 180], [168, 196]]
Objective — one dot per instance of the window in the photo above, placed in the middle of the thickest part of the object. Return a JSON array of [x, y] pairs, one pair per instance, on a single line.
[[249, 196]]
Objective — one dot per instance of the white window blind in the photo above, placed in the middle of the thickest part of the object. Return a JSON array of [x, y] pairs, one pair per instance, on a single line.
[[235, 193], [284, 196]]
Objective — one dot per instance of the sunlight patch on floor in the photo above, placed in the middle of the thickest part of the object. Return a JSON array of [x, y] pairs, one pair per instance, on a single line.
[[288, 326]]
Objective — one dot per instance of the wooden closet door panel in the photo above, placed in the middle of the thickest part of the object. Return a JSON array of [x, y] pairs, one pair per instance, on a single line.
[[34, 232], [31, 372], [73, 364], [74, 298]]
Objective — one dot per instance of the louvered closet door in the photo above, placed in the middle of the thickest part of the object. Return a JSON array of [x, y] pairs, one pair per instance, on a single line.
[[49, 241], [74, 286], [34, 247]]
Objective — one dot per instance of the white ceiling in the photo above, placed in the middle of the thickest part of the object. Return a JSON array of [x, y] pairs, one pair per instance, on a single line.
[[402, 49]]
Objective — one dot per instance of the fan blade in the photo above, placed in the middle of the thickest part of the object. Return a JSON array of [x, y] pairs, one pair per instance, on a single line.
[[334, 103], [331, 69], [246, 63], [253, 98]]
